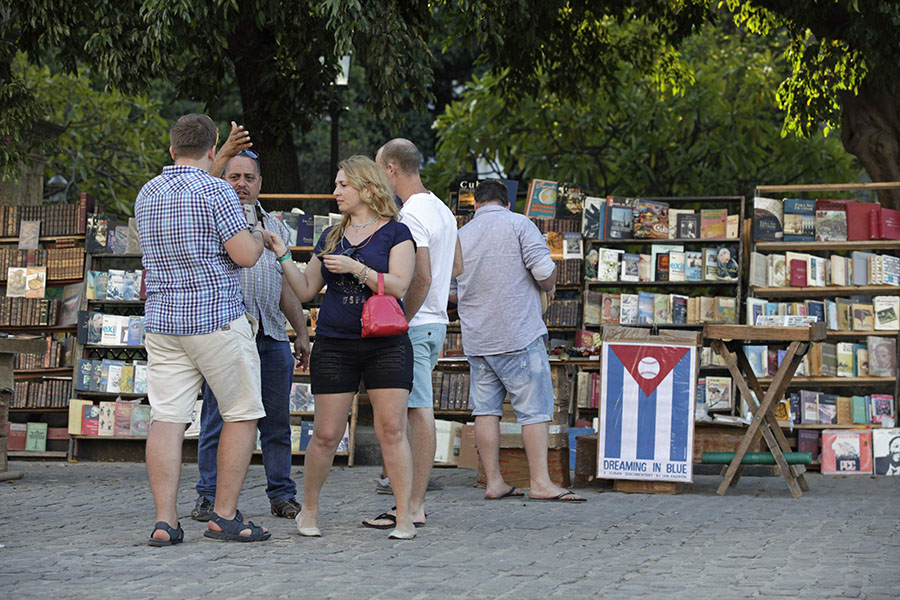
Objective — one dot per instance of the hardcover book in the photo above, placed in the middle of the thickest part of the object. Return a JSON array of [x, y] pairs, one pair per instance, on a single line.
[[862, 220], [16, 282], [726, 263], [645, 267], [881, 409], [572, 248], [593, 217], [712, 223], [844, 359], [688, 225], [35, 282], [710, 264], [36, 437], [863, 317], [799, 220], [846, 452], [882, 356], [662, 267], [609, 264], [610, 309], [107, 423], [591, 264], [140, 420], [831, 225], [628, 309], [620, 216], [651, 219], [768, 215], [569, 200], [541, 199], [29, 234], [808, 441], [90, 419], [809, 405], [646, 302], [678, 304], [693, 266], [718, 394], [630, 267], [886, 310], [115, 288], [662, 311], [592, 301], [123, 418], [886, 451], [555, 243]]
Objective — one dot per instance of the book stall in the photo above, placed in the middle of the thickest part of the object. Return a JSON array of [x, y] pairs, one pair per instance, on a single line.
[[682, 328]]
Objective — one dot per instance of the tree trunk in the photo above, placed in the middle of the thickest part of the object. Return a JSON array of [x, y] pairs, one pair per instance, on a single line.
[[870, 130], [265, 117]]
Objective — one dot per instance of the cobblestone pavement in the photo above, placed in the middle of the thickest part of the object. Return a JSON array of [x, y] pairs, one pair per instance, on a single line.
[[79, 531]]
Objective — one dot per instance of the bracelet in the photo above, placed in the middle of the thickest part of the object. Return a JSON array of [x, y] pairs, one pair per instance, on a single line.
[[286, 256], [365, 276]]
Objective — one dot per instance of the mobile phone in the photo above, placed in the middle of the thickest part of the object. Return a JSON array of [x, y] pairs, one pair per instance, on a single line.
[[250, 214]]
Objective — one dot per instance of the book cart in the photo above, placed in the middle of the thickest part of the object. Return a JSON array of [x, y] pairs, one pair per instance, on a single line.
[[819, 381], [41, 381], [303, 418]]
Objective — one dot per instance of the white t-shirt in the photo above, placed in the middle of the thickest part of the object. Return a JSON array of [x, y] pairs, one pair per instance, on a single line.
[[433, 226]]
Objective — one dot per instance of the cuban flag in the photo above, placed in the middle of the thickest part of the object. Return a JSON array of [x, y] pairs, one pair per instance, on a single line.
[[646, 424]]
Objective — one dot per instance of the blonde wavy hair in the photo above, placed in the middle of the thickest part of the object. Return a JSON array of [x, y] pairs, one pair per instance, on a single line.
[[364, 175]]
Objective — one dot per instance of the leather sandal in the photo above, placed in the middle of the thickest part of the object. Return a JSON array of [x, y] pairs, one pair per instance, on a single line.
[[232, 528]]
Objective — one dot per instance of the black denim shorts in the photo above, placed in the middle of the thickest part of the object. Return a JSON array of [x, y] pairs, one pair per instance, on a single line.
[[336, 364]]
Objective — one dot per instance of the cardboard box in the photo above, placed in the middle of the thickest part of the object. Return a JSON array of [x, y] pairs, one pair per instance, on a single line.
[[514, 467], [468, 452], [447, 437]]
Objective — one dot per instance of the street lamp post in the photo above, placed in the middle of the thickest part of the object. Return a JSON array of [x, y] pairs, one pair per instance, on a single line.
[[337, 107]]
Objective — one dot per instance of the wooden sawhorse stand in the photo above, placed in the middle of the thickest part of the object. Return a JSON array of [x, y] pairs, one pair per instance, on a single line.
[[727, 340]]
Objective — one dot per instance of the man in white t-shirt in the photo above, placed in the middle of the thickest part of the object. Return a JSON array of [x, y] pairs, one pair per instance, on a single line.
[[438, 256]]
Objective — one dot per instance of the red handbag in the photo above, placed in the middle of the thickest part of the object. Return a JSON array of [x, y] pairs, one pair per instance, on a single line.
[[381, 315]]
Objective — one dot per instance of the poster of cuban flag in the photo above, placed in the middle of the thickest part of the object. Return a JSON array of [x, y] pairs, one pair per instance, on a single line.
[[646, 428]]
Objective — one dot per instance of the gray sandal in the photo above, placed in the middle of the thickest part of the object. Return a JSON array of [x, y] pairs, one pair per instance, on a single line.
[[232, 528]]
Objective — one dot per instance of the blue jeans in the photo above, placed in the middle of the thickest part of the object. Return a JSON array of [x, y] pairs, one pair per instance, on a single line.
[[277, 373]]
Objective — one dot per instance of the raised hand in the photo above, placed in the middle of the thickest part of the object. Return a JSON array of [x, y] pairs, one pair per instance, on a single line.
[[273, 242]]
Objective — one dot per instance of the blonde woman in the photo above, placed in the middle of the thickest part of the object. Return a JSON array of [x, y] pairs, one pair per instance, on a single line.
[[348, 258]]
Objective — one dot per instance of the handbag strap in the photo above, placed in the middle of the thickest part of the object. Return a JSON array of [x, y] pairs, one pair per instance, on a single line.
[[381, 284]]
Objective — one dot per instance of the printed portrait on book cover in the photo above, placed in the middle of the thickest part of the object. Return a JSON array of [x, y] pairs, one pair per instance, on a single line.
[[590, 265], [726, 265], [886, 449]]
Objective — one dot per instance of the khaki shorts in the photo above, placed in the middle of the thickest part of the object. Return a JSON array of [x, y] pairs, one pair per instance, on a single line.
[[227, 359]]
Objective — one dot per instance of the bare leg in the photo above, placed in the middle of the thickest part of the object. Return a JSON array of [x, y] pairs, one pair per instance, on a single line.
[[535, 437], [422, 445], [164, 470], [389, 407], [330, 423], [487, 438], [235, 449]]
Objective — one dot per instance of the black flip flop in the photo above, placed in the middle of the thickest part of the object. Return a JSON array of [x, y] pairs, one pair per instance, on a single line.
[[510, 493], [389, 517], [559, 498]]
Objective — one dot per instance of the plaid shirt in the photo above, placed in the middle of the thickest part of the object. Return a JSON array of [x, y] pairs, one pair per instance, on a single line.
[[261, 285], [184, 216]]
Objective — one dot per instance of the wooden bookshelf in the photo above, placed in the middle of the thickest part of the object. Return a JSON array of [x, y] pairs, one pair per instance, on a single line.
[[835, 381], [824, 291], [827, 246], [854, 334], [786, 424], [37, 328], [650, 284], [49, 238], [23, 373], [31, 454], [679, 241], [48, 409], [118, 302]]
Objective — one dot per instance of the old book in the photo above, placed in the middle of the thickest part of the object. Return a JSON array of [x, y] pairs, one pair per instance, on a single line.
[[713, 223], [693, 266], [555, 243], [676, 266], [608, 269], [630, 267], [776, 272], [645, 267], [662, 311], [36, 437], [591, 310], [844, 359], [678, 304], [651, 219], [110, 334], [572, 246], [646, 303], [541, 201], [593, 217], [863, 317], [758, 357], [799, 220], [732, 226], [628, 309], [718, 394], [886, 451], [16, 284], [846, 452], [140, 377], [29, 234], [768, 215], [881, 409], [726, 309], [674, 213], [122, 425], [844, 414], [808, 441], [710, 264], [827, 409], [707, 309], [127, 383], [809, 405], [114, 376], [610, 309], [662, 267], [619, 217], [886, 310], [882, 356]]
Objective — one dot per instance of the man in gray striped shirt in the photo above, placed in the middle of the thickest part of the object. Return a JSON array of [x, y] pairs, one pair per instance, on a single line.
[[506, 264]]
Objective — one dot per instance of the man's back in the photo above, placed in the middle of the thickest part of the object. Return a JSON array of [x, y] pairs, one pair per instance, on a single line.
[[499, 300], [184, 216], [432, 225]]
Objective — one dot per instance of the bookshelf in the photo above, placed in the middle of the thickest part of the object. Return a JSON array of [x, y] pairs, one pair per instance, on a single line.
[[791, 298], [41, 261]]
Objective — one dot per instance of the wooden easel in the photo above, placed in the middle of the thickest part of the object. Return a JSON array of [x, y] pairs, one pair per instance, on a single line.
[[727, 340]]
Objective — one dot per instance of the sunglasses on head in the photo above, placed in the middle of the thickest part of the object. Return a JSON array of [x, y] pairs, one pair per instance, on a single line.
[[249, 154], [351, 251]]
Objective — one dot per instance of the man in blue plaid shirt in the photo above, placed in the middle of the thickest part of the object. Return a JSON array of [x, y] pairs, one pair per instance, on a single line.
[[195, 237], [269, 302]]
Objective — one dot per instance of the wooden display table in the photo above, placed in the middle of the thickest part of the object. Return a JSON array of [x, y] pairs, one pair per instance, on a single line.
[[9, 347], [727, 340]]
